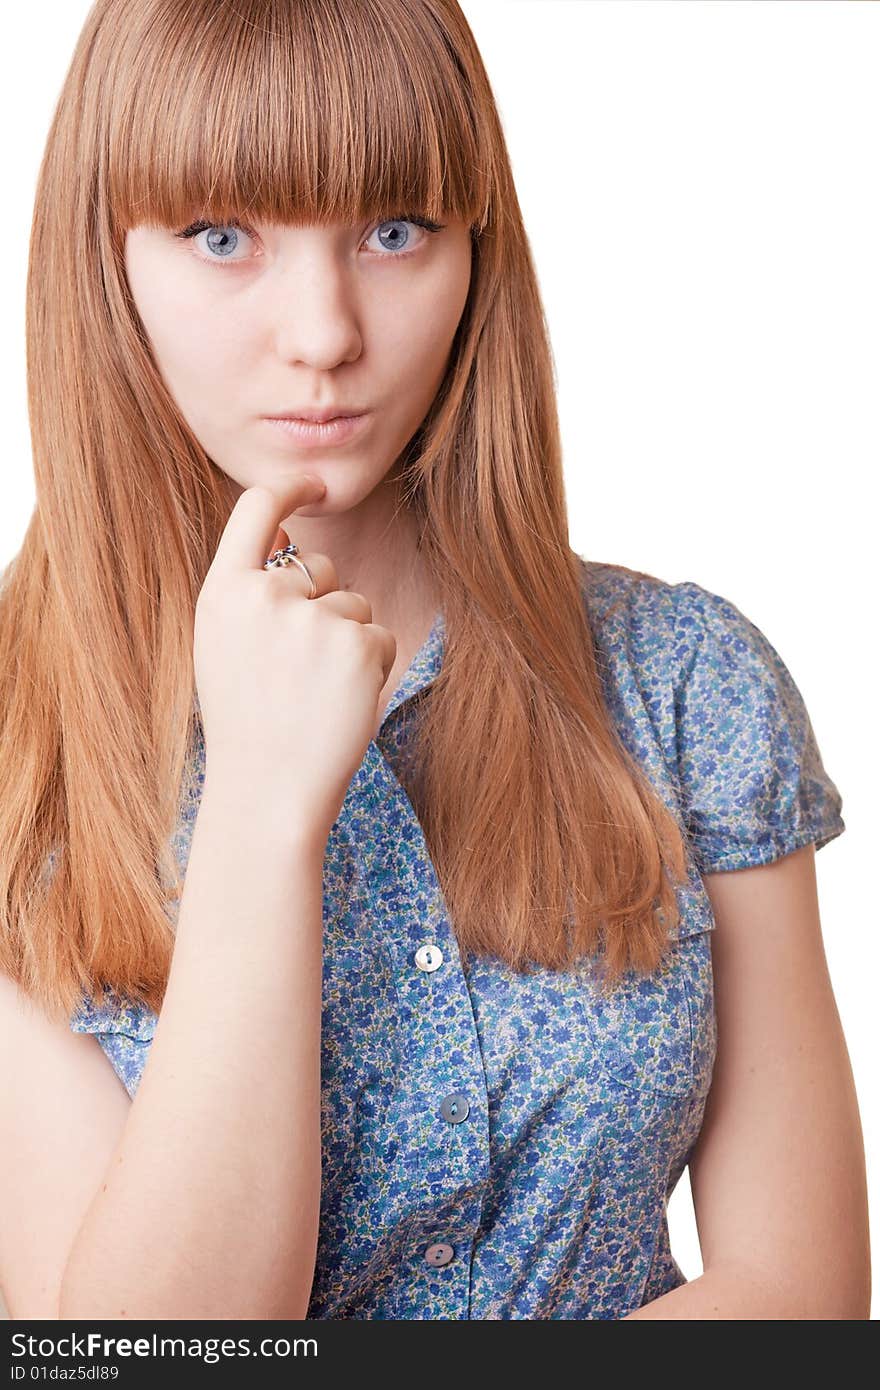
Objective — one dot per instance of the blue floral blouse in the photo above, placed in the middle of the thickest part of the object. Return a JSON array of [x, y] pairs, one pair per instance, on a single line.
[[504, 1146]]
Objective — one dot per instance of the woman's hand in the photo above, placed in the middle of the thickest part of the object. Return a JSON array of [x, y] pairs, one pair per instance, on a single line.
[[288, 686]]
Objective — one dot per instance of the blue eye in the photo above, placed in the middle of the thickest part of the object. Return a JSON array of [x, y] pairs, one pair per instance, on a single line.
[[224, 238], [394, 237]]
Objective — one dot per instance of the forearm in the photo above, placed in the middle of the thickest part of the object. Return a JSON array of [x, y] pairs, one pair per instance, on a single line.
[[739, 1293], [210, 1205]]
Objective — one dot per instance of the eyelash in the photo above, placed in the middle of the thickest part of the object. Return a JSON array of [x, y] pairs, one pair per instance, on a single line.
[[196, 227]]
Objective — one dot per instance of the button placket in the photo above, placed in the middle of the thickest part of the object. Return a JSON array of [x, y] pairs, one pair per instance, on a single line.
[[435, 1018]]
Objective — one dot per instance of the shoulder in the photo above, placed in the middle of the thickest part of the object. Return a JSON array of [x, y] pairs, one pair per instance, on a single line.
[[644, 625], [687, 673], [666, 628]]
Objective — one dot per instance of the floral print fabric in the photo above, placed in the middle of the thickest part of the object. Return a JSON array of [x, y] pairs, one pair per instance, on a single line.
[[504, 1146]]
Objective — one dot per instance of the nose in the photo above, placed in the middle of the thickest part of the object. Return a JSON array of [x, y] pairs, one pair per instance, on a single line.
[[314, 310]]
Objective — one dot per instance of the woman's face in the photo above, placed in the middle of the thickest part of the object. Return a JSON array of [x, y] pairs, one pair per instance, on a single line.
[[249, 321]]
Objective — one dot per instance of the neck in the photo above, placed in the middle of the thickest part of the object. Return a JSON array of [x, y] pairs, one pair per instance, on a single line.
[[374, 547]]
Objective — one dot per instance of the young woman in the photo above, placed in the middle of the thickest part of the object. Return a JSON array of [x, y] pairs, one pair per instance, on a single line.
[[380, 843]]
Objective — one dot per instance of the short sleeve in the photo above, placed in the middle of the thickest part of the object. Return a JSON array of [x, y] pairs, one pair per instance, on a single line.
[[124, 1030], [752, 780]]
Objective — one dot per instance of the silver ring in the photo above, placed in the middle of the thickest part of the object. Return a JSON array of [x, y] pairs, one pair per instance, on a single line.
[[279, 559]]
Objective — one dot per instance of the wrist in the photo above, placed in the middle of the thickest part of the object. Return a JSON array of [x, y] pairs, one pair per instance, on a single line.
[[261, 818]]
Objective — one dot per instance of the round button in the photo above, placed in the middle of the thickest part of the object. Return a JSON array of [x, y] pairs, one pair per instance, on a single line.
[[455, 1108], [439, 1253], [429, 957]]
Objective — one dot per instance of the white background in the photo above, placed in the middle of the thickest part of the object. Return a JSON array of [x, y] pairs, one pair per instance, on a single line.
[[699, 186]]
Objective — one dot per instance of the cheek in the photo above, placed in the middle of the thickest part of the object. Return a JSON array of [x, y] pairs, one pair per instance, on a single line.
[[439, 315], [190, 345], [197, 356], [417, 341], [194, 350]]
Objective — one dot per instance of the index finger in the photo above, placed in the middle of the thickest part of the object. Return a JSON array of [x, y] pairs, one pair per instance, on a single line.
[[246, 542]]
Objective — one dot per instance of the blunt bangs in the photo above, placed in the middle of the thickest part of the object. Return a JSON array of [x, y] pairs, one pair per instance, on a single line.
[[336, 111]]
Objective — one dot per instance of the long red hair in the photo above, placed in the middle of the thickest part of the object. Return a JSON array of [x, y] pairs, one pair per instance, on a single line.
[[544, 832]]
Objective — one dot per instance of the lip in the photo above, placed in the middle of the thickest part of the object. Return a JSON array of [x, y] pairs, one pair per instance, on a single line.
[[317, 434], [317, 417]]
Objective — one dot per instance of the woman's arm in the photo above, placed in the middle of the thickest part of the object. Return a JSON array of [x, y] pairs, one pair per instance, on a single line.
[[778, 1172], [209, 1207]]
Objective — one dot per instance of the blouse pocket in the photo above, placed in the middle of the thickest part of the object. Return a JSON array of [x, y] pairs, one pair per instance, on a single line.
[[657, 1032]]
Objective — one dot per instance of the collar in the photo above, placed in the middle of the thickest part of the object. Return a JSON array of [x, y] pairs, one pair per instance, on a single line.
[[423, 668]]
